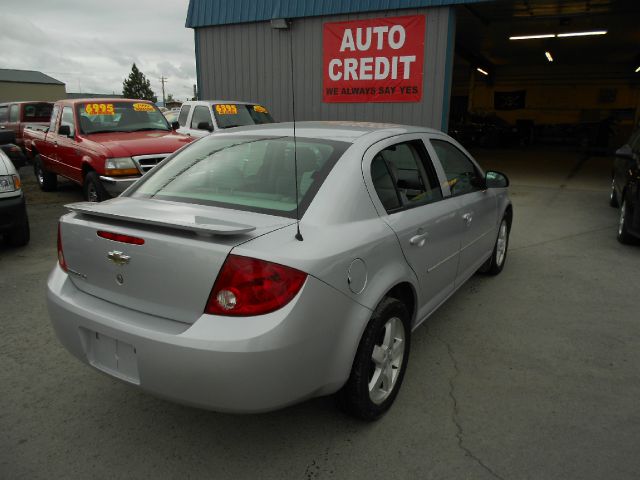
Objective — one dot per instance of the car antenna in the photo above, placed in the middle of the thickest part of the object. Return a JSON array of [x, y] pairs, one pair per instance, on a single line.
[[295, 146]]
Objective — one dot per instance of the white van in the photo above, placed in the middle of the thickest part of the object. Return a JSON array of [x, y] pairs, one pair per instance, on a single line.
[[202, 117]]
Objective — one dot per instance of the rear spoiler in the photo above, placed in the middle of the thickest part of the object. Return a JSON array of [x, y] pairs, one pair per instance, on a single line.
[[167, 218]]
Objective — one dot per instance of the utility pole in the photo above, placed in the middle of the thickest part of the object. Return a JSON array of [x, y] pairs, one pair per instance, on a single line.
[[163, 79]]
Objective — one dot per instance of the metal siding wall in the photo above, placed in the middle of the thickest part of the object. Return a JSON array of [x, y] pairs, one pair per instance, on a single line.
[[251, 62]]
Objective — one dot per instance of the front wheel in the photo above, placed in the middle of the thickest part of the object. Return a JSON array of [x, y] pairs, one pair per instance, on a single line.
[[495, 263], [47, 181], [380, 362], [20, 235], [93, 189]]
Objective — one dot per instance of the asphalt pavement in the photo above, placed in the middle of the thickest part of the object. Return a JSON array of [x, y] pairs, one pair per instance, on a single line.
[[533, 374]]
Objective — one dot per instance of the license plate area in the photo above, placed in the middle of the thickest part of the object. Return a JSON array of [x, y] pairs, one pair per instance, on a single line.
[[112, 356]]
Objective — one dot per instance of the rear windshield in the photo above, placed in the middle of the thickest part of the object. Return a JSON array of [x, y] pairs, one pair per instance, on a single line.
[[230, 115], [36, 112], [103, 117], [244, 173]]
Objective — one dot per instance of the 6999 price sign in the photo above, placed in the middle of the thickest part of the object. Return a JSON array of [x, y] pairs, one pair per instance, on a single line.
[[375, 60]]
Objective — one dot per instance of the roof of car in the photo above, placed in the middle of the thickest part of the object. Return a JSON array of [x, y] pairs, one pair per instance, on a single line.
[[239, 102], [339, 130]]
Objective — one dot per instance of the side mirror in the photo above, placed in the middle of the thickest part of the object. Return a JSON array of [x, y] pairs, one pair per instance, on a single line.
[[624, 151], [175, 125], [496, 179], [64, 130], [205, 126]]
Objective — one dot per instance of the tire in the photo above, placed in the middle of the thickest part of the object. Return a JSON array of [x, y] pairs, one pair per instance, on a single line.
[[93, 189], [388, 338], [613, 199], [19, 236], [495, 263], [47, 181], [623, 224]]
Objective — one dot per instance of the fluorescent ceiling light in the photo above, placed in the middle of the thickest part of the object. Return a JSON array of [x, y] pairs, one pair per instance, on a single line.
[[549, 57], [482, 71], [583, 34], [637, 69], [529, 37]]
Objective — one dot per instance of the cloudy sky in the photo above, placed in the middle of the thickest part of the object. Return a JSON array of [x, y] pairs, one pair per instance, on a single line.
[[91, 44]]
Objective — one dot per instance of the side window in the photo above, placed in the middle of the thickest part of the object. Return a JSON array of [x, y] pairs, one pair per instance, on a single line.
[[184, 114], [67, 119], [200, 114], [404, 177], [4, 113], [54, 117], [14, 113], [460, 171]]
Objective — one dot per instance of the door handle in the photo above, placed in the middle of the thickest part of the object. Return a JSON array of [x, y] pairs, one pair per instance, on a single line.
[[467, 217], [419, 240]]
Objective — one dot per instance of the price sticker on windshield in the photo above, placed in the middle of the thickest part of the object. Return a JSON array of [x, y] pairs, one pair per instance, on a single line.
[[143, 107], [99, 109], [226, 109], [259, 109]]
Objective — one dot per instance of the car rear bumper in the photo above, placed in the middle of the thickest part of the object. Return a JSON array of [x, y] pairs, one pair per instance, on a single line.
[[12, 212], [243, 364], [116, 185]]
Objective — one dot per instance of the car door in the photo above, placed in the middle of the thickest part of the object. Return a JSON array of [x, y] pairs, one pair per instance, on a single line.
[[68, 152], [183, 120], [406, 191], [47, 149], [478, 205], [14, 118], [201, 115]]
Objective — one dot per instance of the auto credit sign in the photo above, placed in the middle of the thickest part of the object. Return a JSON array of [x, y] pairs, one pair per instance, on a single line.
[[374, 60]]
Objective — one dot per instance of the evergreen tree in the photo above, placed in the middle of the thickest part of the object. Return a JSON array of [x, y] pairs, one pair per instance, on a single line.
[[137, 86]]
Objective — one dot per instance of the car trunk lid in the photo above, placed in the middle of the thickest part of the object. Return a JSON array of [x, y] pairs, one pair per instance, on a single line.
[[171, 274]]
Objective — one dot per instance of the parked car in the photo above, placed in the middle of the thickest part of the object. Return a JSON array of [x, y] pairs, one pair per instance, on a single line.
[[200, 118], [104, 145], [200, 285], [14, 224], [14, 152], [15, 116], [625, 189], [485, 131], [171, 115]]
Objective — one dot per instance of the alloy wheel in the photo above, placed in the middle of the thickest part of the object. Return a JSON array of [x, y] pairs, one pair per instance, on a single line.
[[386, 360]]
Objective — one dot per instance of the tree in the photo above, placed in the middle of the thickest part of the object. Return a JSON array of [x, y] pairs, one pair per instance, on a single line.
[[170, 97], [137, 86]]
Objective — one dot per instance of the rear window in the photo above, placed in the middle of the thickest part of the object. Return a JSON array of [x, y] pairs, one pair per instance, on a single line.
[[36, 112], [230, 115], [244, 173]]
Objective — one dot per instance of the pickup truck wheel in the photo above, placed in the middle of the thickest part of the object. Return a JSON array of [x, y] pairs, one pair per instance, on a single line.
[[93, 189], [47, 181], [380, 362]]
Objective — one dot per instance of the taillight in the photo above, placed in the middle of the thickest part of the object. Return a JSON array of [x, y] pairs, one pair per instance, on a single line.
[[61, 260], [120, 237], [247, 286]]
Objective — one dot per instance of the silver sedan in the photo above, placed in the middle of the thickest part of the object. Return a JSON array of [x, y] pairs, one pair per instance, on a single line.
[[254, 269]]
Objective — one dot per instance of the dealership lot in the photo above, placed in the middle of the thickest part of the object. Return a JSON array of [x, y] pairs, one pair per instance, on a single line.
[[531, 374]]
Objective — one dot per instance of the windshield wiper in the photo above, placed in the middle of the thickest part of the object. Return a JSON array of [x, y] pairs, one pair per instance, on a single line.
[[99, 131]]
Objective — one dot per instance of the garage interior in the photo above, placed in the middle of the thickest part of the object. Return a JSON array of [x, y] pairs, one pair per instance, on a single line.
[[578, 87]]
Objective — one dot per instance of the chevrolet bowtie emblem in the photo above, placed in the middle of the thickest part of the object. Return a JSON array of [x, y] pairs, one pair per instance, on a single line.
[[118, 258]]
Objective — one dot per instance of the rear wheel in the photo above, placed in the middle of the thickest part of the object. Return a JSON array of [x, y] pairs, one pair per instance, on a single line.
[[47, 181], [623, 224], [93, 189], [380, 362], [613, 200]]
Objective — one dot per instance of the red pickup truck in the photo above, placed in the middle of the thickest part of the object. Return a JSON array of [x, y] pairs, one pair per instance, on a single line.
[[15, 116], [104, 145]]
